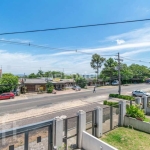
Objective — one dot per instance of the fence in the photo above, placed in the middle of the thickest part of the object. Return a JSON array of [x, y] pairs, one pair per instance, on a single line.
[[70, 132], [45, 132], [21, 137], [110, 118]]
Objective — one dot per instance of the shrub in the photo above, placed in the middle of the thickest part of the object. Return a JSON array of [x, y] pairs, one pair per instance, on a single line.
[[105, 102], [126, 97], [135, 112], [109, 103], [50, 89]]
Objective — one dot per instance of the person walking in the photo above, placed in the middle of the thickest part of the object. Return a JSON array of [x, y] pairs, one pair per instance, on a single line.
[[94, 90]]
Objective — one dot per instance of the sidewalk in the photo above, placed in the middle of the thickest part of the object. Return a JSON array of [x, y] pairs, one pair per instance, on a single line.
[[35, 95]]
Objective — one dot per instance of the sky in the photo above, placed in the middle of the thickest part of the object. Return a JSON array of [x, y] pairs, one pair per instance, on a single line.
[[131, 40]]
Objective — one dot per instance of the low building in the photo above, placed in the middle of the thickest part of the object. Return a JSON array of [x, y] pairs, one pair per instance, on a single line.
[[33, 85], [92, 82]]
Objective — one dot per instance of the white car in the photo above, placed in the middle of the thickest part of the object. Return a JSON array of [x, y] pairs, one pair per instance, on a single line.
[[116, 82], [139, 93]]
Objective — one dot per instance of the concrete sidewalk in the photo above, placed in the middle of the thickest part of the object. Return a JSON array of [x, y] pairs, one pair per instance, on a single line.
[[35, 95]]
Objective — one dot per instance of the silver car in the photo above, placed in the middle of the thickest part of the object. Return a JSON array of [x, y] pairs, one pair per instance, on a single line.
[[139, 93], [77, 88]]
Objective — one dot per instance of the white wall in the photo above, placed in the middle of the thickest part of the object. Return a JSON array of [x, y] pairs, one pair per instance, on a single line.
[[90, 142], [137, 124]]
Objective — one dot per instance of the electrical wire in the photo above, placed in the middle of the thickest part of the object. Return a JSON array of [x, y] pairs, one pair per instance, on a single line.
[[134, 60], [46, 47], [75, 27]]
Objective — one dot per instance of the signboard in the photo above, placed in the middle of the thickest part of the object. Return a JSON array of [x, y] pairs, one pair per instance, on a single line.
[[56, 79], [0, 73]]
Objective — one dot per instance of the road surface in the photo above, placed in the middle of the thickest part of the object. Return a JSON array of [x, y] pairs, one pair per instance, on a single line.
[[23, 105]]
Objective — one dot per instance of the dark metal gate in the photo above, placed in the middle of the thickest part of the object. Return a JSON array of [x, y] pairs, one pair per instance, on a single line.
[[70, 132], [27, 135], [111, 118]]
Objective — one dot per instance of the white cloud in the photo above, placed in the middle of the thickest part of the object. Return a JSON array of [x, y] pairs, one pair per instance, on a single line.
[[128, 44], [120, 41]]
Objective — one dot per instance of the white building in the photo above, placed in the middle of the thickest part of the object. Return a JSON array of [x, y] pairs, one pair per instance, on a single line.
[[89, 76]]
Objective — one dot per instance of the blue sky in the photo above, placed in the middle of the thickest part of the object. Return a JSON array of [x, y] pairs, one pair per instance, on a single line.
[[131, 40]]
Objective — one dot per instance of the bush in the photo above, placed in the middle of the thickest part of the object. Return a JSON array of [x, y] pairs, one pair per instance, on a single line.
[[50, 89], [135, 112], [110, 103], [126, 97]]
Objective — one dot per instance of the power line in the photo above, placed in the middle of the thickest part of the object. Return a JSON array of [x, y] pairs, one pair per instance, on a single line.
[[135, 60], [47, 47], [75, 27], [33, 45]]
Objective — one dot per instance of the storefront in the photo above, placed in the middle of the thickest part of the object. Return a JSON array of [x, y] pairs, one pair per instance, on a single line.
[[33, 85]]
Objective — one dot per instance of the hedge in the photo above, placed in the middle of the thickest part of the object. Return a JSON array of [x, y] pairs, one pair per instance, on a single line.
[[126, 97], [110, 103]]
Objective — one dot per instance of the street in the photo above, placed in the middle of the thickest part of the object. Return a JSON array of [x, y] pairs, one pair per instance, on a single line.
[[90, 99], [18, 106]]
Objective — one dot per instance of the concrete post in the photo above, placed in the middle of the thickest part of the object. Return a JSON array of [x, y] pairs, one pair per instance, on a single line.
[[145, 99], [99, 121], [138, 100], [122, 112], [81, 126], [58, 132]]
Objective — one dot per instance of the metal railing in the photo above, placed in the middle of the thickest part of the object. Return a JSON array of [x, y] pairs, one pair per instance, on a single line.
[[71, 131], [111, 117], [26, 129]]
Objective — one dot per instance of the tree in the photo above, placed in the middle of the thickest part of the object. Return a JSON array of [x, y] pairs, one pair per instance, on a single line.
[[49, 87], [8, 82], [32, 75], [126, 73], [96, 63], [48, 74], [81, 82], [40, 73], [109, 69], [140, 72]]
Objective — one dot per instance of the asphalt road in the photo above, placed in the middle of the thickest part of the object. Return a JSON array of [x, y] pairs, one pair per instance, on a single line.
[[22, 105]]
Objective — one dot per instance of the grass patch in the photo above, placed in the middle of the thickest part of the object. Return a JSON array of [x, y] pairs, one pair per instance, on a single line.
[[147, 119], [127, 139], [125, 97]]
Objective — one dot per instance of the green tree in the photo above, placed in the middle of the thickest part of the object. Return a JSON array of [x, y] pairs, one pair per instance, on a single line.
[[8, 82], [40, 73], [49, 87], [96, 63], [140, 71], [32, 75], [48, 74], [109, 71], [81, 82], [126, 74]]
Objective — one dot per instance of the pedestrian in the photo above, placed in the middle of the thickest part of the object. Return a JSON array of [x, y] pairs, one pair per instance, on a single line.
[[94, 90]]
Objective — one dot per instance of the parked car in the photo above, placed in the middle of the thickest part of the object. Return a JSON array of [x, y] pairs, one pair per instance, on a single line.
[[9, 95], [17, 92], [107, 83], [139, 93], [77, 88], [116, 82]]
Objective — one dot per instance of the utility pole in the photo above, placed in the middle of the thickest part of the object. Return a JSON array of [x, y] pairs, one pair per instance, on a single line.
[[119, 75]]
